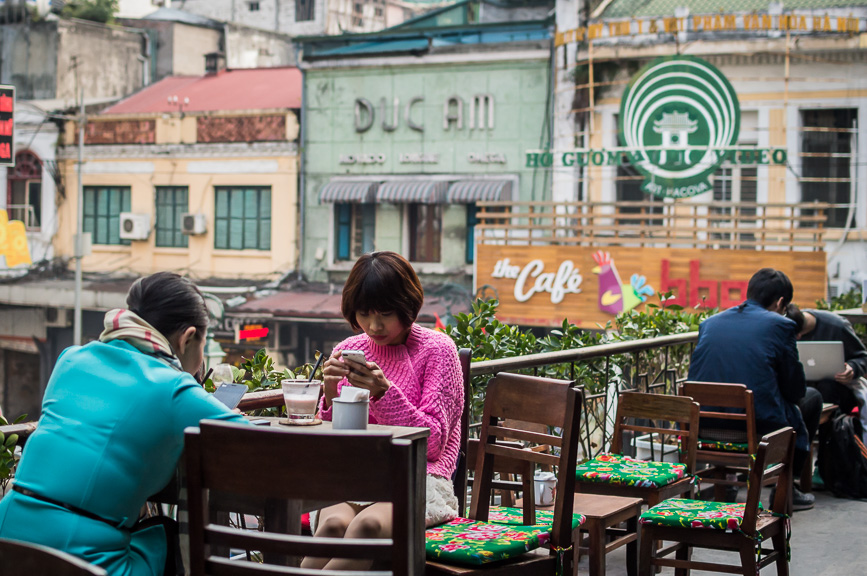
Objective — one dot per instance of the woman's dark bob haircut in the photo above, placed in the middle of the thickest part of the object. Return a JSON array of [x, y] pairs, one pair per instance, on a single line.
[[168, 302], [382, 282]]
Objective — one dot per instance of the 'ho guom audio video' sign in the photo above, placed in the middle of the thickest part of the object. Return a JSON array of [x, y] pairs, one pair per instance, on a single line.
[[679, 113], [679, 121]]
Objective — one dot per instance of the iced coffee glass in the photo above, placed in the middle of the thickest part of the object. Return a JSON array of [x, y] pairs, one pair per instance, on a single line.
[[302, 399]]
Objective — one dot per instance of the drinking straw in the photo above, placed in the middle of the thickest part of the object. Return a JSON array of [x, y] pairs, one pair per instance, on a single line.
[[316, 367], [207, 375]]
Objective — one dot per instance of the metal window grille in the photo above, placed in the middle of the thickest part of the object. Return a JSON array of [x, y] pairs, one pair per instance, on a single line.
[[102, 208], [172, 202], [425, 232], [243, 218], [827, 151], [355, 229]]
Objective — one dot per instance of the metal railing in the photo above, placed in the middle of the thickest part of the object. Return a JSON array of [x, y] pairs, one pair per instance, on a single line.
[[605, 370]]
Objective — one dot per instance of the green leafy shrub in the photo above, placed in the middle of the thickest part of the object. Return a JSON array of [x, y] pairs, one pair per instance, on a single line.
[[102, 11], [845, 301], [8, 459]]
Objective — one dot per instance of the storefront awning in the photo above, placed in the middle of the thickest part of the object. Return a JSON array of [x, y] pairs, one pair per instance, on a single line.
[[345, 191], [467, 191], [413, 191]]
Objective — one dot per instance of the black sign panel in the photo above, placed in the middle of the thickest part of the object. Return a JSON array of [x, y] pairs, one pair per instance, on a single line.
[[7, 125]]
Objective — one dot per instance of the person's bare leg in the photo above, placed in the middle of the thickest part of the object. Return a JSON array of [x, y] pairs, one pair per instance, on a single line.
[[333, 522], [372, 522]]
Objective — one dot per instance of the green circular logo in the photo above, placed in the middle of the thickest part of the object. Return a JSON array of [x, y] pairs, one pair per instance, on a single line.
[[677, 116]]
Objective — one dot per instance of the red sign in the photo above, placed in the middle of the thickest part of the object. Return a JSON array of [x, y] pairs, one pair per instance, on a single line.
[[251, 332], [7, 126]]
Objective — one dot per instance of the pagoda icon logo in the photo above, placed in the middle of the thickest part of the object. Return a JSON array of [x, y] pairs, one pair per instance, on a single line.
[[678, 116]]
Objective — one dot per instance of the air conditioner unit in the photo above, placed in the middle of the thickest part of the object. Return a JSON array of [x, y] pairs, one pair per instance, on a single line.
[[58, 317], [135, 226], [194, 223]]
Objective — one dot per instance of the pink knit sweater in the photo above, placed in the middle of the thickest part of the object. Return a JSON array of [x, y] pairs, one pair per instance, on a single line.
[[426, 391]]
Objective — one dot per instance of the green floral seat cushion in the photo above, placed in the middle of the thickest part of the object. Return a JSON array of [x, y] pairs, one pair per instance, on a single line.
[[721, 446], [515, 517], [617, 469], [472, 543], [685, 513]]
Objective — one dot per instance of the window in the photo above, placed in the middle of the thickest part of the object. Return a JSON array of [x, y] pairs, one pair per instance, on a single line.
[[377, 12], [629, 190], [171, 204], [24, 196], [425, 231], [826, 160], [304, 10], [253, 6], [355, 227], [472, 211], [242, 218], [102, 208]]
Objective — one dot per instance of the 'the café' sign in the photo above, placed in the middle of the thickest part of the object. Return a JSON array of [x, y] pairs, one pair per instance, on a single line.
[[542, 285]]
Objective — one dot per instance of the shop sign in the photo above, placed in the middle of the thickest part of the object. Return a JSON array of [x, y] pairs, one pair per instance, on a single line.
[[13, 241], [679, 121], [350, 159], [414, 158], [481, 113], [798, 23], [491, 158], [7, 126], [542, 285], [672, 105]]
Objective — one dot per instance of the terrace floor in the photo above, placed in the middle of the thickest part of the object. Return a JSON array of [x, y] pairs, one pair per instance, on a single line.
[[828, 540]]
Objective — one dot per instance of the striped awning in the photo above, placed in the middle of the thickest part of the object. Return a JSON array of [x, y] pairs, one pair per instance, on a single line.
[[346, 191], [467, 191], [413, 191]]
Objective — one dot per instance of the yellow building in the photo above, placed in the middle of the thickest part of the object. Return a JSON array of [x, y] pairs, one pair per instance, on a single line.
[[192, 174]]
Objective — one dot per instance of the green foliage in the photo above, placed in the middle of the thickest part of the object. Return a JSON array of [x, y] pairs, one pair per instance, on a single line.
[[102, 11], [258, 373], [8, 459], [845, 301], [490, 339]]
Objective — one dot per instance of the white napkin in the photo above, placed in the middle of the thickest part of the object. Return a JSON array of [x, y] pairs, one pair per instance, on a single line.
[[352, 394]]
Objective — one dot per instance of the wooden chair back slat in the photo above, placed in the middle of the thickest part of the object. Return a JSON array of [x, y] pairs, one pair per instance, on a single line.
[[678, 411], [25, 558], [226, 567], [291, 545], [223, 447], [711, 395], [773, 457], [465, 357], [554, 403], [525, 435], [278, 467]]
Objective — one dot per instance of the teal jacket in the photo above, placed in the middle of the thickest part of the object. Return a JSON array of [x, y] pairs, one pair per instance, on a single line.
[[110, 435]]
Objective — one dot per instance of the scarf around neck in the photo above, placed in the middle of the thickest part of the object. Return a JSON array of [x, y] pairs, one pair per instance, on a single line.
[[126, 325]]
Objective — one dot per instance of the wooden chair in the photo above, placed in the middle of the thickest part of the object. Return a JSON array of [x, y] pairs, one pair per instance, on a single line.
[[465, 355], [298, 470], [740, 528], [24, 559], [616, 475], [723, 451], [554, 403]]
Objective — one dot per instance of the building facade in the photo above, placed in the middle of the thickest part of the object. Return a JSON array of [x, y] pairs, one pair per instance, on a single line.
[[798, 72], [399, 149]]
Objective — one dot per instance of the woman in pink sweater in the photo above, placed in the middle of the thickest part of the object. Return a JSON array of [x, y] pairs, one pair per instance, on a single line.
[[414, 378]]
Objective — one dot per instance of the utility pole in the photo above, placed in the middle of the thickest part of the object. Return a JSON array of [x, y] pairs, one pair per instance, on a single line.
[[79, 225]]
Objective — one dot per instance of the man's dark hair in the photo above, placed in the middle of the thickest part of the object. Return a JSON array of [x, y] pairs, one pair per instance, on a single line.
[[382, 282], [168, 302], [794, 313], [769, 285]]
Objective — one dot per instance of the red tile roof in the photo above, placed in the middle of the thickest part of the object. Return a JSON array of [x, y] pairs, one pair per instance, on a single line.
[[301, 304], [248, 89]]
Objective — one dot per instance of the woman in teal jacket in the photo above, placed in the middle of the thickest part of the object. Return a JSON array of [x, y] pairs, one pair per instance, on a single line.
[[112, 431]]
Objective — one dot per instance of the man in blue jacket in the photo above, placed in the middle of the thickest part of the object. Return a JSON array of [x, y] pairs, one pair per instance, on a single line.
[[754, 344]]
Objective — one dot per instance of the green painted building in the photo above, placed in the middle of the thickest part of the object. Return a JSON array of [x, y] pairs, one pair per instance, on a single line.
[[399, 146]]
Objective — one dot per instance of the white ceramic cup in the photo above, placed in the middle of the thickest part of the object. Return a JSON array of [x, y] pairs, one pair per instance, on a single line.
[[545, 484], [349, 415]]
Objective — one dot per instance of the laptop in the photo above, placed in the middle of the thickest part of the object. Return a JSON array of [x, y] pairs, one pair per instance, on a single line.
[[821, 360]]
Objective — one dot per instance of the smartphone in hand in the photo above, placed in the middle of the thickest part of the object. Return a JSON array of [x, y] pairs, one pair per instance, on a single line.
[[354, 355]]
